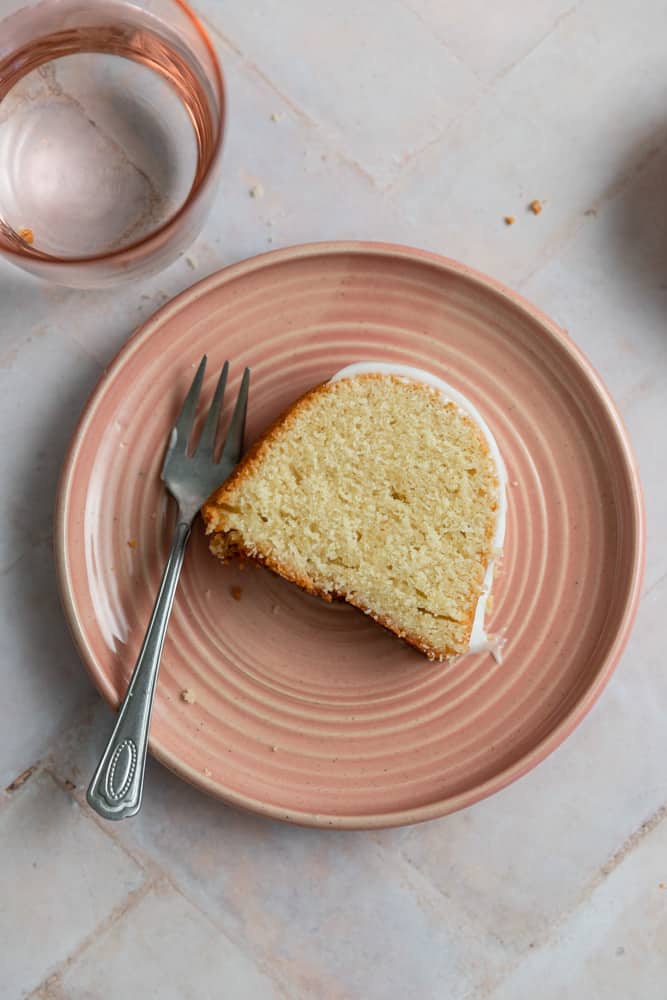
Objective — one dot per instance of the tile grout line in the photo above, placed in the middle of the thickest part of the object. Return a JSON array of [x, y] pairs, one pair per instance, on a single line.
[[627, 847], [295, 108], [481, 991], [615, 861], [560, 19], [413, 158], [541, 940], [616, 188], [117, 913], [654, 586], [157, 875], [487, 90], [255, 959], [152, 869], [407, 6]]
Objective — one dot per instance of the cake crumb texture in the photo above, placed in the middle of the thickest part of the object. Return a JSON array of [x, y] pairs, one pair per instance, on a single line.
[[374, 490]]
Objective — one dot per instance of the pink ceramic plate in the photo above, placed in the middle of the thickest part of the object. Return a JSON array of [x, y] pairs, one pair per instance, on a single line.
[[309, 712]]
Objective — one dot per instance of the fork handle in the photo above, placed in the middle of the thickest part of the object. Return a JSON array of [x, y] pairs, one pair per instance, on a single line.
[[116, 789]]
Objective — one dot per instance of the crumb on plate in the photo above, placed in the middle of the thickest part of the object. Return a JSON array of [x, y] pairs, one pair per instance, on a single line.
[[236, 593], [256, 191], [188, 697], [535, 206], [27, 235], [132, 543], [276, 116], [509, 220]]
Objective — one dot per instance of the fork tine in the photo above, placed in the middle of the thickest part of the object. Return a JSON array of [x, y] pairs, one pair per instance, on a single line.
[[182, 429], [206, 444], [233, 448]]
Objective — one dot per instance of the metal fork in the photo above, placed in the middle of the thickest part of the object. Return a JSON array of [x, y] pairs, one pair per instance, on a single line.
[[116, 788]]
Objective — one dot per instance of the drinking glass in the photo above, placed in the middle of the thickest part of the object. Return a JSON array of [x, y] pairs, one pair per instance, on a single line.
[[111, 125]]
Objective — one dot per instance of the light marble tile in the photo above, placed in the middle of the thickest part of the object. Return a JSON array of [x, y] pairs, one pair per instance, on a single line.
[[608, 288], [520, 862], [60, 877], [376, 80], [491, 37], [306, 193], [644, 417], [42, 390], [571, 121], [615, 947], [164, 949], [43, 384], [328, 913], [43, 681]]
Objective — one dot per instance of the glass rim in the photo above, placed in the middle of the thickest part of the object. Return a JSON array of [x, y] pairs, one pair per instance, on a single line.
[[155, 235]]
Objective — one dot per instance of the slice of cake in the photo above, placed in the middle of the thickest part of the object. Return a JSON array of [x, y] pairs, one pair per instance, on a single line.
[[383, 487]]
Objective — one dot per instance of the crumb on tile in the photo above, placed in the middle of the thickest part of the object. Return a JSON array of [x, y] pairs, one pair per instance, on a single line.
[[21, 779], [509, 220], [275, 609], [535, 206], [27, 235], [188, 697], [515, 482], [256, 191], [69, 785], [236, 593], [207, 771], [274, 749], [132, 543]]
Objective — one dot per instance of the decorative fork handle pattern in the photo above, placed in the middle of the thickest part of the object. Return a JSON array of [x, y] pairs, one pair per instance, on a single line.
[[116, 789]]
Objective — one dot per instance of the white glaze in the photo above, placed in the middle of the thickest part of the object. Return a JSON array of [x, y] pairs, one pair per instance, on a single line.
[[479, 640]]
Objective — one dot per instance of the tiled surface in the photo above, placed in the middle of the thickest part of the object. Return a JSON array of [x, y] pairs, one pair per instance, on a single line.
[[62, 877], [614, 947], [302, 899], [164, 949], [424, 123], [337, 56], [491, 38]]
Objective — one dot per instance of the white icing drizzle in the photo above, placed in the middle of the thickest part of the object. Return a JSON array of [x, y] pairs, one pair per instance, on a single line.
[[479, 640]]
